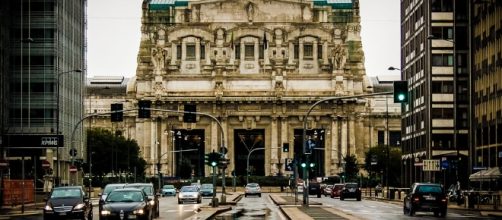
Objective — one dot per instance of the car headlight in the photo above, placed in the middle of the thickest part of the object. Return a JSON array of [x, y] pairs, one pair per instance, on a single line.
[[48, 208], [79, 206], [152, 202], [105, 212], [139, 212]]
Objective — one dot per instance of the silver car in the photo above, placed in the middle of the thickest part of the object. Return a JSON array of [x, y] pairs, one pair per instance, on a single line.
[[253, 189], [189, 194]]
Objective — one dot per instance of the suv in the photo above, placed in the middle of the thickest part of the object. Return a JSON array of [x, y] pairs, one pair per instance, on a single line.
[[68, 202], [350, 190], [426, 197], [152, 197], [315, 189]]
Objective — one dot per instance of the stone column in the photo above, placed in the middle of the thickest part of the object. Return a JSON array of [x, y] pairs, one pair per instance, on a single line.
[[344, 138], [351, 135], [174, 51], [274, 143]]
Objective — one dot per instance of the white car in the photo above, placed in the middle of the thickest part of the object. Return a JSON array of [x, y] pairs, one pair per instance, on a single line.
[[189, 194], [253, 189]]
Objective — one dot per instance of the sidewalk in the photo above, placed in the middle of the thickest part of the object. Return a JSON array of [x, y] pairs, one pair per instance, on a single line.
[[293, 209], [207, 211], [15, 211]]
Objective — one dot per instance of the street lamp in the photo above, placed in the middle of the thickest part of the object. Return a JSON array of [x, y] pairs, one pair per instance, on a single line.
[[57, 117], [249, 154]]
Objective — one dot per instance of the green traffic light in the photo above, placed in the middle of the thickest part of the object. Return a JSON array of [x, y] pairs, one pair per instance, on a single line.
[[312, 164], [213, 163], [303, 165], [401, 97]]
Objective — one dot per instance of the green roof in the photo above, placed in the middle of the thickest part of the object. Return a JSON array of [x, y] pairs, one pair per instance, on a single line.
[[165, 4], [335, 4]]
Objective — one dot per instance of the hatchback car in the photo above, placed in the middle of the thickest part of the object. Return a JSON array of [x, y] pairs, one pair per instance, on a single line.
[[335, 191], [168, 190], [426, 197], [128, 203], [150, 192], [315, 189], [108, 189], [253, 189], [350, 190], [68, 202], [327, 190], [206, 189], [189, 194]]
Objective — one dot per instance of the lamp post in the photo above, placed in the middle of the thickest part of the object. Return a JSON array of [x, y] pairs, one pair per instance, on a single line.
[[249, 154], [57, 117]]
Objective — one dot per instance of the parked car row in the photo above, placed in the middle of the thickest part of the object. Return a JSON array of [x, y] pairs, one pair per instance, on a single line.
[[343, 191]]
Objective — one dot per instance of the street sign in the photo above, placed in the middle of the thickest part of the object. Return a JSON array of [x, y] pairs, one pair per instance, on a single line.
[[33, 141], [432, 165], [73, 152], [73, 169], [444, 164], [419, 164], [46, 164]]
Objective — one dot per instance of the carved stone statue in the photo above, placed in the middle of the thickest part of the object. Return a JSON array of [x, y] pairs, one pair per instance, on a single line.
[[337, 59], [158, 58], [250, 11]]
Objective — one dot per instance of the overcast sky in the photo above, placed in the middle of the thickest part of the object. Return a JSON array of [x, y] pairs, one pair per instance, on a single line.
[[113, 36]]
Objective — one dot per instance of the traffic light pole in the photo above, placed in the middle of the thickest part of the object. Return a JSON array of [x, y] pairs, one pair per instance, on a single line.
[[304, 135]]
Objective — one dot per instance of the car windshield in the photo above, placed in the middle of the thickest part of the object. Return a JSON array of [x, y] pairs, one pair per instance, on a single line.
[[351, 185], [110, 188], [66, 193], [206, 187], [148, 189], [168, 187], [125, 196], [189, 189], [253, 185], [430, 189]]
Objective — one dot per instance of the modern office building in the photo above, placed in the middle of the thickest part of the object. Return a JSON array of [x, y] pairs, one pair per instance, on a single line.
[[42, 70], [487, 88], [436, 64]]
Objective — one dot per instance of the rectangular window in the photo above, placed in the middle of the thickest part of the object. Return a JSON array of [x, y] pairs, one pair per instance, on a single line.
[[296, 51], [381, 137], [308, 52], [237, 51], [249, 52], [190, 52], [442, 59], [202, 51], [178, 52], [319, 51], [261, 53]]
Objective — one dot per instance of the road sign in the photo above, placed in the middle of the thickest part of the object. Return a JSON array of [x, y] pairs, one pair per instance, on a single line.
[[46, 164], [432, 165], [73, 152], [73, 169], [445, 164]]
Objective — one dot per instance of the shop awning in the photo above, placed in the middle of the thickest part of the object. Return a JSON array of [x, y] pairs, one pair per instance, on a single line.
[[489, 174]]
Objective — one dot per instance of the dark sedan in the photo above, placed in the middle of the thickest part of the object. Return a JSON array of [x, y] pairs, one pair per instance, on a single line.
[[68, 202], [152, 196], [350, 190], [127, 203], [426, 197]]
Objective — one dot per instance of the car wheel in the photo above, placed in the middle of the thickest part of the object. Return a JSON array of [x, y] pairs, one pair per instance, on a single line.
[[157, 212], [341, 198], [90, 215], [359, 198], [443, 213], [245, 195], [179, 202], [259, 195]]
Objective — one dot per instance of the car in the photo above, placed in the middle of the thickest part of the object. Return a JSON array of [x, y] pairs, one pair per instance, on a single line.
[[127, 203], [252, 189], [108, 189], [67, 202], [315, 189], [337, 188], [189, 194], [168, 190], [206, 189], [426, 197], [350, 190], [196, 184], [327, 190], [152, 196]]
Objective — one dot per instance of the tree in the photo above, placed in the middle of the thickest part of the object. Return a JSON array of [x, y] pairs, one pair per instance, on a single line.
[[113, 153], [379, 155], [351, 169]]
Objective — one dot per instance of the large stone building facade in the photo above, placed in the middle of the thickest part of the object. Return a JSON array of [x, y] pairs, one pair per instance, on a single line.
[[256, 66]]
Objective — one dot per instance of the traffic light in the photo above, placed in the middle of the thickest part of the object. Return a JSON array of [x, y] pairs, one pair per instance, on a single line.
[[116, 112], [189, 117], [303, 165], [144, 108], [285, 147], [212, 159], [312, 165], [400, 91]]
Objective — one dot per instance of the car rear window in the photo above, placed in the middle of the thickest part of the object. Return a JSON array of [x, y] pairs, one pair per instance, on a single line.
[[430, 189], [353, 185]]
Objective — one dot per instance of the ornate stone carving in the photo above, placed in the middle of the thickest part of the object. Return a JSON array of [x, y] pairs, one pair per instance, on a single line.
[[250, 11], [338, 56]]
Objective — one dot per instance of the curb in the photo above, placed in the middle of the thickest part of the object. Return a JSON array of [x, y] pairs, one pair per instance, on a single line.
[[26, 213]]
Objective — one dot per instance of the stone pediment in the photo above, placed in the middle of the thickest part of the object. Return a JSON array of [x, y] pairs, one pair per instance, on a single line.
[[252, 11]]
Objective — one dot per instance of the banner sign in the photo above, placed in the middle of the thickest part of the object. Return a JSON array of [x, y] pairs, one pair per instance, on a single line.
[[33, 141]]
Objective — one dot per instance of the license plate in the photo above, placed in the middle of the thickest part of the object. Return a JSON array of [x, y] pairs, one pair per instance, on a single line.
[[352, 190], [430, 198], [132, 217]]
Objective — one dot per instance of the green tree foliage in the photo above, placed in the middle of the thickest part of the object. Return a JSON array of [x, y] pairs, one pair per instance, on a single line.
[[351, 168], [126, 154], [394, 162]]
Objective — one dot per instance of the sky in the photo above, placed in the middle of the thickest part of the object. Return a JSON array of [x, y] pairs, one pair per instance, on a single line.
[[114, 33]]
